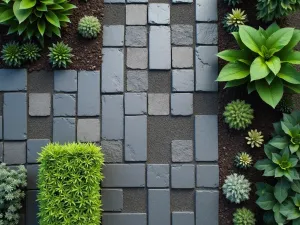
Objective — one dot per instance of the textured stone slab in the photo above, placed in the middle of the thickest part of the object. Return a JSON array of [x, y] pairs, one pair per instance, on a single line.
[[182, 1], [182, 151], [158, 104], [137, 58], [1, 151], [112, 117], [113, 35], [158, 13], [64, 104], [159, 48], [206, 68], [13, 79], [206, 10], [183, 80], [207, 207], [114, 1], [39, 104], [182, 57], [65, 80], [112, 200], [136, 36], [64, 130], [206, 137], [183, 176], [158, 175], [15, 116], [136, 14], [32, 208], [14, 153], [183, 218], [124, 219], [182, 34], [112, 70], [137, 80], [1, 128], [32, 174], [124, 175], [34, 147], [207, 33], [88, 130], [208, 176], [159, 207], [182, 104], [88, 93], [135, 103], [113, 151]]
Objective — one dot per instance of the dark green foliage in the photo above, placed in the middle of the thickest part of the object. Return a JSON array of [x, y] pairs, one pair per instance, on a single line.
[[243, 160], [31, 51], [60, 55], [233, 2], [69, 182], [12, 54], [243, 216], [232, 20], [285, 105], [89, 27], [12, 185]]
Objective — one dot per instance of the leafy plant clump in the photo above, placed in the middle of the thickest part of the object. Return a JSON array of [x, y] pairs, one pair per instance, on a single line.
[[255, 138], [89, 27], [233, 2], [232, 20], [236, 188], [12, 54], [31, 51], [60, 55], [69, 182], [243, 216], [243, 160], [12, 185], [285, 105], [264, 62], [238, 115]]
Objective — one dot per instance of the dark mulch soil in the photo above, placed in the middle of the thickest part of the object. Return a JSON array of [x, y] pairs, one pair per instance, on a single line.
[[87, 53], [230, 141]]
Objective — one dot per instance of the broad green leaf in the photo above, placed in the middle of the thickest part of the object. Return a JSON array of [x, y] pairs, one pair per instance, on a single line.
[[278, 129], [6, 15], [276, 158], [292, 57], [293, 148], [269, 149], [263, 32], [41, 26], [22, 27], [286, 207], [289, 74], [42, 7], [293, 214], [286, 127], [233, 55], [296, 221], [21, 14], [279, 172], [251, 87], [285, 154], [294, 88], [296, 186], [52, 18], [55, 7], [63, 18], [269, 218], [259, 69], [274, 64], [266, 201], [68, 6], [262, 164], [293, 162], [27, 4], [233, 71], [279, 142], [263, 188], [272, 29], [251, 38], [270, 171], [293, 42], [296, 200], [270, 78], [237, 37], [281, 190], [280, 38], [235, 83]]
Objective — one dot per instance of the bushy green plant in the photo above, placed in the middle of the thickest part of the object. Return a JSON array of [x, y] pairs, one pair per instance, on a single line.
[[238, 115], [264, 62], [31, 51], [232, 20], [60, 55], [243, 160], [243, 216], [255, 138], [89, 27], [12, 185], [236, 188], [233, 2], [69, 182], [285, 105], [12, 54]]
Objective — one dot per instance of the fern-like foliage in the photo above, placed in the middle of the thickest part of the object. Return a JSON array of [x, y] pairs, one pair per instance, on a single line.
[[243, 216]]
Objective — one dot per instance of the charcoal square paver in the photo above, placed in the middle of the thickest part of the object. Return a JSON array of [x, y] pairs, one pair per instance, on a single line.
[[124, 219], [136, 36], [183, 80], [183, 218], [158, 175], [207, 176], [135, 103], [32, 174], [182, 151], [183, 176], [137, 58], [113, 151], [158, 13], [14, 153], [206, 10], [207, 207], [1, 151], [137, 80], [112, 200], [136, 14], [1, 128], [159, 207], [32, 207], [88, 130], [13, 79], [64, 130], [65, 80], [158, 104], [34, 147], [182, 34], [113, 35], [39, 104], [64, 104], [182, 57], [182, 104], [207, 33]]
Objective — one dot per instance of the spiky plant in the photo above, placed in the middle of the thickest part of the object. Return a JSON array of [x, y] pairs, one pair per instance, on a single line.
[[60, 55], [243, 216], [285, 105], [232, 20], [12, 54], [31, 51], [236, 188], [243, 160], [89, 27], [255, 138], [238, 115], [233, 2]]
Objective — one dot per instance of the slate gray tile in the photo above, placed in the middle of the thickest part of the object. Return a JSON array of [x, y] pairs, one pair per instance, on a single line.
[[39, 104], [114, 1], [113, 151], [137, 58], [14, 153], [113, 35], [135, 103], [32, 174], [159, 207], [64, 104], [207, 33], [136, 14], [124, 219], [1, 128], [182, 151], [136, 36], [1, 151], [64, 130], [206, 10], [32, 207], [112, 200], [182, 104], [158, 13], [207, 207], [208, 176], [182, 57], [34, 147], [158, 104], [182, 34], [183, 80], [183, 176], [88, 130], [137, 80], [65, 80], [13, 79], [158, 175], [183, 218]]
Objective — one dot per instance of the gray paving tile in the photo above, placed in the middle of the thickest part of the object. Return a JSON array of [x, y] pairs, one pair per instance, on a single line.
[[65, 80], [207, 33], [207, 207], [64, 130], [182, 1], [34, 147], [64, 104], [183, 176], [183, 218], [1, 151], [14, 153], [137, 80], [158, 175], [182, 34], [113, 151], [113, 35], [158, 104], [206, 10], [32, 174], [114, 1], [137, 58], [112, 200], [158, 13], [182, 104], [182, 57], [183, 80], [135, 103], [136, 14], [124, 219], [13, 79], [39, 104], [136, 36], [159, 207], [208, 176], [88, 130], [32, 207], [182, 151], [1, 128]]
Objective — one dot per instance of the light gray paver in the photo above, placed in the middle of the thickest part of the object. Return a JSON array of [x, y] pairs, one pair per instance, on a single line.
[[113, 151], [207, 207], [112, 117], [88, 93], [112, 70], [158, 104], [32, 174], [124, 175], [207, 33], [206, 68], [206, 137], [64, 130], [182, 57], [136, 138], [88, 130], [114, 1], [183, 218], [158, 175], [1, 135], [113, 35], [124, 219], [14, 153], [208, 176], [137, 80], [182, 1], [206, 10], [136, 14], [159, 207], [137, 58], [182, 151], [15, 116], [1, 151], [64, 104], [112, 200], [39, 104], [135, 103], [182, 104], [65, 80], [13, 79], [136, 36], [182, 34], [158, 13], [183, 176], [34, 147], [183, 80]]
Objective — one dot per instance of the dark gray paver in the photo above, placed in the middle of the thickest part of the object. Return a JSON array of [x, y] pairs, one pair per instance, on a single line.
[[182, 1], [207, 33], [206, 10], [183, 176], [124, 219], [113, 35], [182, 34], [158, 175], [182, 104], [64, 130], [65, 80], [1, 151], [159, 207], [207, 207], [32, 207], [114, 1], [182, 57], [15, 116], [112, 200], [183, 218], [158, 104], [208, 176], [136, 36], [88, 130], [1, 128], [113, 151], [124, 175], [13, 79], [34, 147], [183, 80], [64, 104], [136, 14], [135, 103], [182, 151], [39, 104], [137, 58], [137, 80], [32, 174], [14, 153], [206, 137], [112, 117], [112, 70], [88, 93], [158, 13]]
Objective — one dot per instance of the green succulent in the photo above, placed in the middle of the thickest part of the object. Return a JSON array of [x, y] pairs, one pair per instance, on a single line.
[[243, 160], [236, 188], [89, 27], [285, 105], [238, 114], [31, 51], [243, 216], [60, 55], [12, 54], [233, 2], [255, 138], [232, 20]]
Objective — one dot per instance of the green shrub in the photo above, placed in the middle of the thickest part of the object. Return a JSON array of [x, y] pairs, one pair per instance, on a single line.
[[243, 160], [69, 182], [89, 27], [243, 216], [60, 55], [233, 2], [12, 54], [12, 185], [232, 20], [285, 105], [255, 138], [31, 51], [264, 62]]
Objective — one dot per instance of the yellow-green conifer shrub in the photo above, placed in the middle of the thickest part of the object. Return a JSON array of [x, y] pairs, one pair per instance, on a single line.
[[69, 182]]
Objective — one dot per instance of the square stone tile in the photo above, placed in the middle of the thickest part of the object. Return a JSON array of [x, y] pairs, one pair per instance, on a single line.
[[183, 218], [182, 151], [14, 153], [206, 10], [88, 130], [64, 130], [64, 104], [137, 80], [136, 14], [182, 104], [183, 80], [113, 35], [135, 103], [183, 176], [182, 34], [207, 33], [158, 104], [208, 176], [39, 104], [137, 58], [182, 57], [65, 80], [113, 151], [158, 175], [158, 13], [136, 36], [34, 147]]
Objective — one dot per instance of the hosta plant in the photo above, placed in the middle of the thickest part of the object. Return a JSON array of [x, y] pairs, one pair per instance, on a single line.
[[243, 216], [263, 62], [31, 52], [243, 160], [233, 2], [232, 20], [89, 27], [255, 138], [285, 105], [60, 55], [12, 54]]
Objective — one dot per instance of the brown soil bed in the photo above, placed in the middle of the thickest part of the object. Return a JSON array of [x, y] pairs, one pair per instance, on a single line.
[[87, 53]]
